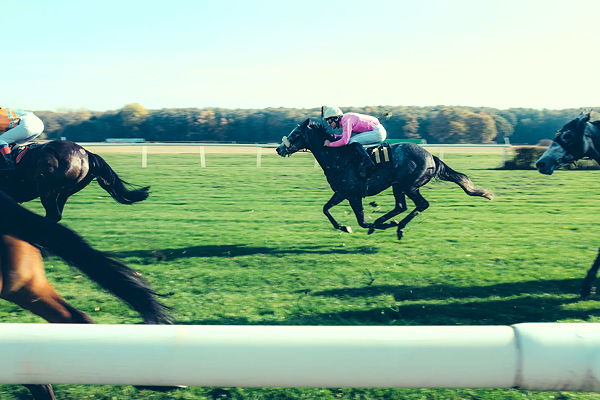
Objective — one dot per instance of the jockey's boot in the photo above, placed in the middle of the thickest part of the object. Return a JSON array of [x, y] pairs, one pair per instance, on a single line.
[[8, 164]]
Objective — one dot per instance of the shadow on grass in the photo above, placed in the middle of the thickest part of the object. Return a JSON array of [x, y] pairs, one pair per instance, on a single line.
[[490, 312], [236, 250], [529, 301], [444, 292], [500, 304], [484, 312]]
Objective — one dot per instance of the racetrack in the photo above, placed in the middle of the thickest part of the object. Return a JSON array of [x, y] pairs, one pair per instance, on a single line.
[[236, 244]]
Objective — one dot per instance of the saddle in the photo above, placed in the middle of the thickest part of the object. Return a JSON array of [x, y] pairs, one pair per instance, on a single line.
[[381, 155], [19, 151]]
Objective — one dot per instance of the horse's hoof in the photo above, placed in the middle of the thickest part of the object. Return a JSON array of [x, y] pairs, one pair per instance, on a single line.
[[371, 230], [587, 292], [400, 234], [346, 229]]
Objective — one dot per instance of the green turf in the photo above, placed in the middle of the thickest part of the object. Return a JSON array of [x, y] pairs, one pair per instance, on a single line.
[[239, 245]]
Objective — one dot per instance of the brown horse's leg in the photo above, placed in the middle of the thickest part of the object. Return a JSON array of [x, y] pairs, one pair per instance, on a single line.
[[23, 282]]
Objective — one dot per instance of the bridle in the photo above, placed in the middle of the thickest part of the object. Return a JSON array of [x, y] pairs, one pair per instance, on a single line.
[[595, 154], [286, 141]]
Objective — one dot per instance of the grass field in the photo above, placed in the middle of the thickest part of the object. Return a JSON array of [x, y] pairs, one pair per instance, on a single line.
[[234, 244]]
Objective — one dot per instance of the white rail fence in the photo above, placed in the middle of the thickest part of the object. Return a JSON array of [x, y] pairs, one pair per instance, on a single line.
[[532, 356], [201, 149]]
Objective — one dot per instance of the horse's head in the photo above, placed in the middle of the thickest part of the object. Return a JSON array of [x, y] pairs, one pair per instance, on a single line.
[[571, 143], [305, 135]]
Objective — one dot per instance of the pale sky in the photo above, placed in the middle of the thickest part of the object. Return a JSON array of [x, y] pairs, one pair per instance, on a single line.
[[101, 55]]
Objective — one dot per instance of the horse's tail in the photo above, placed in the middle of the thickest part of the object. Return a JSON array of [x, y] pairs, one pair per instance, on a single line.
[[110, 181], [110, 274], [444, 172]]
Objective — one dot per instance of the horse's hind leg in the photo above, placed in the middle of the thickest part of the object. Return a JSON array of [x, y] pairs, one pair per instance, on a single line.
[[66, 192], [41, 392], [50, 201], [586, 289], [420, 205], [39, 297], [399, 208], [26, 285], [335, 200]]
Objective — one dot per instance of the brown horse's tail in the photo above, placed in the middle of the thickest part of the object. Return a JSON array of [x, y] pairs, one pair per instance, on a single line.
[[109, 273], [444, 172], [110, 181]]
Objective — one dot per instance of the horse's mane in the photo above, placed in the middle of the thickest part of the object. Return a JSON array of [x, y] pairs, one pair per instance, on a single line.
[[572, 125], [316, 124]]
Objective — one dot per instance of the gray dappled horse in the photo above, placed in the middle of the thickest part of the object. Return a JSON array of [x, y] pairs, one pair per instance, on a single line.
[[579, 138], [412, 168]]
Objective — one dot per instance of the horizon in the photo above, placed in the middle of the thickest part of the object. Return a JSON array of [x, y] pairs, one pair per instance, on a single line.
[[235, 55], [67, 110]]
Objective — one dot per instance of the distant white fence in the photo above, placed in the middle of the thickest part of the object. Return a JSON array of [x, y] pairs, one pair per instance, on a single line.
[[538, 356], [439, 149]]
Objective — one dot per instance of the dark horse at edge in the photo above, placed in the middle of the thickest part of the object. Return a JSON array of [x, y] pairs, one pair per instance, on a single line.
[[23, 282], [579, 138], [412, 168], [55, 170]]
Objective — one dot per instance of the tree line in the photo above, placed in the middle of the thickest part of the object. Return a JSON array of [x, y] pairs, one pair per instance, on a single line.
[[439, 124]]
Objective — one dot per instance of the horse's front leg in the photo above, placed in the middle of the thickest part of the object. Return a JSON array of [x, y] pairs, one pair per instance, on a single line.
[[586, 289], [359, 211], [400, 207], [335, 200]]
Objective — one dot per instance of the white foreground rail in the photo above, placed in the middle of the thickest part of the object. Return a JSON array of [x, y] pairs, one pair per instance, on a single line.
[[527, 356]]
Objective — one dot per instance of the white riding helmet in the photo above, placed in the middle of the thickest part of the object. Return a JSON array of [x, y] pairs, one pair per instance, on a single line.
[[332, 112]]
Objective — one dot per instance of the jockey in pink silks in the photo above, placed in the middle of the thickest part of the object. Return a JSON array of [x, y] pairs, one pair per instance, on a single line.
[[357, 130]]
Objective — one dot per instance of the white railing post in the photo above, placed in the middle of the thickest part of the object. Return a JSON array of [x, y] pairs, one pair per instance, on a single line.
[[202, 157], [144, 156]]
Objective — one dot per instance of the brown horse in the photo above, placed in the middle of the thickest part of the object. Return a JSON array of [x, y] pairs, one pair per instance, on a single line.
[[22, 279], [56, 170]]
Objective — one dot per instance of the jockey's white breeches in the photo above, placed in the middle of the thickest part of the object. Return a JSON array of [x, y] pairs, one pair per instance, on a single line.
[[375, 136], [28, 129]]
